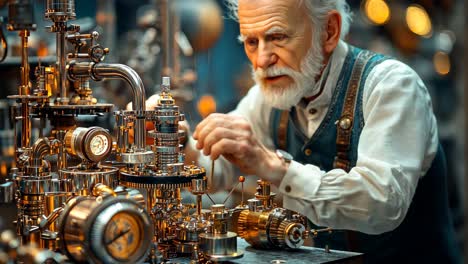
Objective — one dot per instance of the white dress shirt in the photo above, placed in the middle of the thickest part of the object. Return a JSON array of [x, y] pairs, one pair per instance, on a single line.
[[397, 146]]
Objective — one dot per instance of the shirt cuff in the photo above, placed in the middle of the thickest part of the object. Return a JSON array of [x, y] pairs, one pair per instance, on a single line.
[[300, 181]]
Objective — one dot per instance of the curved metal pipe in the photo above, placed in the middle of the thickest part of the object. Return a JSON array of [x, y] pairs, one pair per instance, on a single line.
[[39, 150], [121, 71], [106, 70]]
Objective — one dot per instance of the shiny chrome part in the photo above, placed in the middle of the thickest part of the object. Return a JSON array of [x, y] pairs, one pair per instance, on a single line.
[[272, 229], [35, 185], [166, 133], [199, 186], [255, 205], [217, 243], [265, 195], [60, 10], [264, 226], [220, 247], [137, 157], [110, 229], [93, 144], [83, 179], [7, 192]]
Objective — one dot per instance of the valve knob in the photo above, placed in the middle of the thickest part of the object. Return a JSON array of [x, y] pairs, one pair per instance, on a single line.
[[97, 53]]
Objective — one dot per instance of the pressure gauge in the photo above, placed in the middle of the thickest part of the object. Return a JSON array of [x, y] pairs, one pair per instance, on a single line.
[[93, 144], [99, 145], [124, 231], [113, 230]]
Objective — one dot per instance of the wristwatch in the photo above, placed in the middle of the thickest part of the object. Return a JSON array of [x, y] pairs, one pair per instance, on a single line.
[[285, 156]]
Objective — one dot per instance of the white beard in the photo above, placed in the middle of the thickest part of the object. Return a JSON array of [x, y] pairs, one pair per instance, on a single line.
[[303, 82]]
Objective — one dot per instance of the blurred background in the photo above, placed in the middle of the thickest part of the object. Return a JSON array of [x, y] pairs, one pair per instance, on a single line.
[[210, 71]]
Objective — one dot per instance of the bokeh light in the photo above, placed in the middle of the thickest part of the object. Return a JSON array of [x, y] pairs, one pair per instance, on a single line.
[[377, 11], [442, 63], [206, 105], [418, 20]]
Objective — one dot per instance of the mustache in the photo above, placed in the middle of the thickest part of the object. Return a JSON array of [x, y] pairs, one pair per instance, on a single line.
[[274, 71]]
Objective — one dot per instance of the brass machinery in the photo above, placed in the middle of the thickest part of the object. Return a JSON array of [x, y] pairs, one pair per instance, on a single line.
[[265, 226], [123, 210]]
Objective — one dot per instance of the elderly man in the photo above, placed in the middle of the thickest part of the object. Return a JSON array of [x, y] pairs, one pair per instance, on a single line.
[[365, 155]]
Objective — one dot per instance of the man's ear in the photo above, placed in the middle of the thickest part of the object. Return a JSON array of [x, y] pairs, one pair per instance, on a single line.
[[332, 32]]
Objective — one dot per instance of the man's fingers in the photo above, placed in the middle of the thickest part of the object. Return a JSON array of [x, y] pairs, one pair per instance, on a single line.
[[227, 146], [221, 132], [207, 126]]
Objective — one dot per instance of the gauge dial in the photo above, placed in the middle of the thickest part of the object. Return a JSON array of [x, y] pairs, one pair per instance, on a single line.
[[114, 230], [99, 145], [93, 144], [123, 236]]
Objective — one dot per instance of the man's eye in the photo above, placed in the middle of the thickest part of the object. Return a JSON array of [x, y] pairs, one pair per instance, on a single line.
[[251, 42], [278, 37]]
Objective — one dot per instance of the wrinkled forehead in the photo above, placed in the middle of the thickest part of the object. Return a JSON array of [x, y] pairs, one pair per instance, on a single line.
[[257, 15]]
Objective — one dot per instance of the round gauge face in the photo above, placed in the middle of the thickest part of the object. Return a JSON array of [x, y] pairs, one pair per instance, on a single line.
[[99, 145], [123, 236]]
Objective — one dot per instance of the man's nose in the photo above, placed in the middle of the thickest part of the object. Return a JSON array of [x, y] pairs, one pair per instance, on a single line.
[[266, 57]]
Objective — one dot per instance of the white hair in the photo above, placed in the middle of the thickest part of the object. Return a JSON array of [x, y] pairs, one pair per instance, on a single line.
[[318, 10]]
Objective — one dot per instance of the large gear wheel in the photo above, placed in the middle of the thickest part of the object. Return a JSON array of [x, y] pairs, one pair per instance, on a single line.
[[242, 224]]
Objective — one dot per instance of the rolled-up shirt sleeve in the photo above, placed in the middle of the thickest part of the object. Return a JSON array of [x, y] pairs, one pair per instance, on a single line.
[[397, 145]]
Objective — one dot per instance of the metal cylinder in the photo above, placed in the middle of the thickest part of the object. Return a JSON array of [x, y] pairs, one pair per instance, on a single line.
[[252, 226], [21, 16], [271, 229], [31, 206], [83, 180], [7, 192], [166, 132], [219, 216], [93, 144], [219, 246], [255, 205], [90, 223], [61, 68], [198, 186], [60, 10]]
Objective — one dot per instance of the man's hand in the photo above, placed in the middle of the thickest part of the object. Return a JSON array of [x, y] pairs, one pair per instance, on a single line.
[[232, 137]]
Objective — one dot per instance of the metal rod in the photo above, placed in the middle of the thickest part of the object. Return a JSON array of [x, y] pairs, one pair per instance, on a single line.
[[25, 125], [167, 36], [232, 190], [51, 218], [61, 66], [199, 204], [24, 90], [242, 199], [212, 175], [209, 197]]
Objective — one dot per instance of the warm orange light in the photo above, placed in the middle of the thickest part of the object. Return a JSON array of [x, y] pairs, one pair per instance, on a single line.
[[377, 11], [206, 105], [442, 63], [418, 20], [3, 169], [42, 49]]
